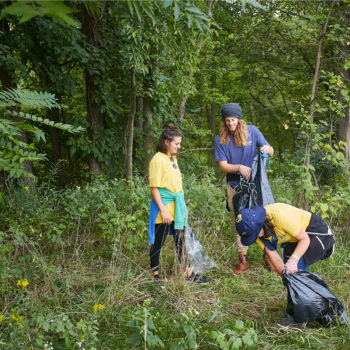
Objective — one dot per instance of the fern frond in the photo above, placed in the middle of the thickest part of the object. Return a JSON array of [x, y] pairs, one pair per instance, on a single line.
[[33, 99], [66, 127]]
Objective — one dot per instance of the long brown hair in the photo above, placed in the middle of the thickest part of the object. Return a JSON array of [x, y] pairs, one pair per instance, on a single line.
[[241, 133], [169, 134], [268, 227]]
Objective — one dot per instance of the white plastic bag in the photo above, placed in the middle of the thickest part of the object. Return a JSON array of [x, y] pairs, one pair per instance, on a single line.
[[196, 257]]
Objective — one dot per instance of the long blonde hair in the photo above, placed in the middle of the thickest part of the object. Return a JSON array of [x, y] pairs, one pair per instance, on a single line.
[[241, 133]]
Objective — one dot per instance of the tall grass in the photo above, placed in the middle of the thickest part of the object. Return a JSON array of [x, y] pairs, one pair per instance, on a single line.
[[87, 247]]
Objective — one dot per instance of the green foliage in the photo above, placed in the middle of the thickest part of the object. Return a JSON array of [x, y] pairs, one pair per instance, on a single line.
[[143, 323], [29, 9], [83, 248], [13, 151], [185, 331], [240, 336], [12, 98], [74, 273]]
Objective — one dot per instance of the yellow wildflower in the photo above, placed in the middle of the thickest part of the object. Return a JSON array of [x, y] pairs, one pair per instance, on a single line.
[[23, 283], [26, 188], [98, 307]]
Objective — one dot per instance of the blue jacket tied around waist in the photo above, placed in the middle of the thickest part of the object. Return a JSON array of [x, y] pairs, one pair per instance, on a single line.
[[180, 211]]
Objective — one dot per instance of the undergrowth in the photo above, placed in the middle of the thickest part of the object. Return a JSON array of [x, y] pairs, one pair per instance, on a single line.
[[75, 275]]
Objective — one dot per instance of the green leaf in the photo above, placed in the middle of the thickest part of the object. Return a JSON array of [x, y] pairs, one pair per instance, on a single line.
[[194, 9], [236, 344], [344, 92], [132, 324], [247, 339], [137, 10], [167, 3], [131, 9], [149, 12], [213, 334], [177, 11], [253, 3], [153, 340], [176, 346], [134, 339], [239, 324], [324, 207], [26, 10]]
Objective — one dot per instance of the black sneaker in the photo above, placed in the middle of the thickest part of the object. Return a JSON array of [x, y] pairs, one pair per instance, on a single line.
[[156, 278], [198, 279], [287, 321]]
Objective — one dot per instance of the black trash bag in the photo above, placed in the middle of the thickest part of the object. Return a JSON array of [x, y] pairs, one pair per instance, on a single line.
[[245, 197], [254, 192], [262, 186], [310, 299]]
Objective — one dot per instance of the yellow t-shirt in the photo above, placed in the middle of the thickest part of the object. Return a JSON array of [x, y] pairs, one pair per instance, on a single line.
[[165, 173], [287, 221]]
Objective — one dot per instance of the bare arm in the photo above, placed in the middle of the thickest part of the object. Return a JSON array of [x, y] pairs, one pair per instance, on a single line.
[[275, 260], [163, 212], [234, 168], [303, 244]]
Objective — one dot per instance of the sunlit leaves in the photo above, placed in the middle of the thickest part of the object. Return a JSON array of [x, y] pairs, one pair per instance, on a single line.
[[26, 10], [37, 99]]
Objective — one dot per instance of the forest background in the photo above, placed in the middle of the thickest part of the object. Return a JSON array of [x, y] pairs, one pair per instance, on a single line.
[[86, 88]]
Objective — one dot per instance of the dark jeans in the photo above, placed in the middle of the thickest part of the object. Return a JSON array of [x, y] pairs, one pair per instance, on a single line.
[[161, 233]]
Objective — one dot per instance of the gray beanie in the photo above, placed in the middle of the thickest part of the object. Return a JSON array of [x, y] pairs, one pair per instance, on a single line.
[[231, 110]]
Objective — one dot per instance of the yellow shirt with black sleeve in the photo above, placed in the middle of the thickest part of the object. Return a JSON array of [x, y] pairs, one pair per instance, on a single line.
[[287, 221], [164, 172]]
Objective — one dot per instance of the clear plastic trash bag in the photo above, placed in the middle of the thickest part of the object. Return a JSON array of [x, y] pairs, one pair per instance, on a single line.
[[196, 257], [310, 299]]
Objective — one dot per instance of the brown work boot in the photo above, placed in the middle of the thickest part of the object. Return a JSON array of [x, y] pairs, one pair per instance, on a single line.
[[242, 265]]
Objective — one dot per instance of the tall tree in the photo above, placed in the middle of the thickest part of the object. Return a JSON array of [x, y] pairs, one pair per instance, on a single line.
[[344, 121], [91, 28]]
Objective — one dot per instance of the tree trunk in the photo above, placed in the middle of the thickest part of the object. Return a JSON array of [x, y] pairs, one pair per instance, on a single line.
[[213, 109], [91, 26], [130, 128], [147, 133], [344, 122], [313, 98], [344, 131], [182, 105]]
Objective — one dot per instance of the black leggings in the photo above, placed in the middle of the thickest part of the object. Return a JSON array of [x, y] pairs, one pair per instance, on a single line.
[[161, 232]]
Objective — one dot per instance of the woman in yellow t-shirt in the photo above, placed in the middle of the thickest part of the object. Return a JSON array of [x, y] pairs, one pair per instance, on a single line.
[[304, 236], [168, 213]]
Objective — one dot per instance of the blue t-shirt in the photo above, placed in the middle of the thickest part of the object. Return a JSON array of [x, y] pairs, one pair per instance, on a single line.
[[241, 154]]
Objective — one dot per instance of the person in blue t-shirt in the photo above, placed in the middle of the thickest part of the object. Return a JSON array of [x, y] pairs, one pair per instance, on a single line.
[[235, 149]]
